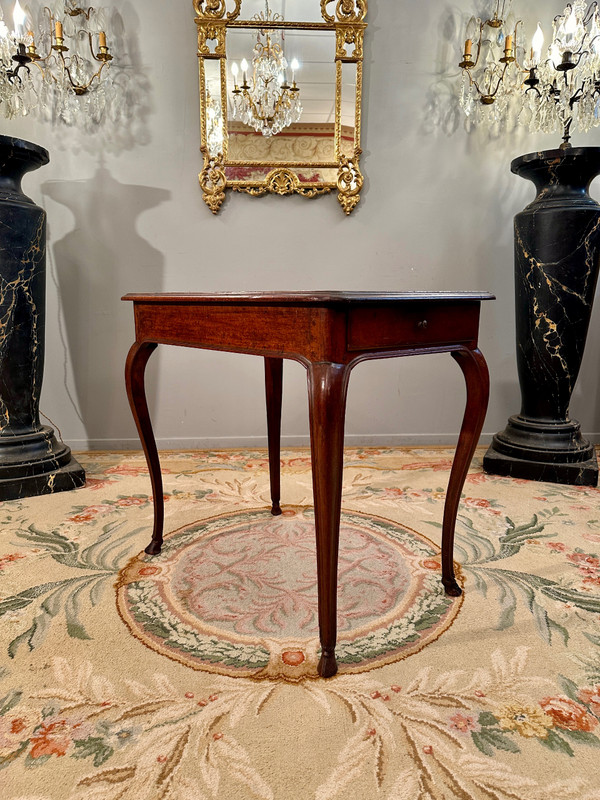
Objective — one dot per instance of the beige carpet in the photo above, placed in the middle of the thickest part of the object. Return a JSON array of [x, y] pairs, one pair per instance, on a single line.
[[191, 675]]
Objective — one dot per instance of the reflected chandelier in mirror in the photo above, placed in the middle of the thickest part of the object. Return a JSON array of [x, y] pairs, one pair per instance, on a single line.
[[280, 97]]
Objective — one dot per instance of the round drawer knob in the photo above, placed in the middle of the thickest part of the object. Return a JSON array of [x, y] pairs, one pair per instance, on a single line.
[[422, 324]]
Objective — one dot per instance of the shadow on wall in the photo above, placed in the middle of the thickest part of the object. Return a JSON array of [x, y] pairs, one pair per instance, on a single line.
[[101, 259]]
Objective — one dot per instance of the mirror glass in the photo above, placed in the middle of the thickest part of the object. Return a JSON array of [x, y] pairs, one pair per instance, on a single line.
[[290, 10], [214, 116], [307, 61]]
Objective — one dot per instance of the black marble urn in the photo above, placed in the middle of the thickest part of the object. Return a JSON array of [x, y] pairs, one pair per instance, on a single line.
[[557, 257], [32, 461]]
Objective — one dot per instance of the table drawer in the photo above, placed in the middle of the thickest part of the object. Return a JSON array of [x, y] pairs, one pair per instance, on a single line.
[[416, 325]]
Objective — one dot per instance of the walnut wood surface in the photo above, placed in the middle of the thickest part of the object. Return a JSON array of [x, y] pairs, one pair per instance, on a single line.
[[330, 333]]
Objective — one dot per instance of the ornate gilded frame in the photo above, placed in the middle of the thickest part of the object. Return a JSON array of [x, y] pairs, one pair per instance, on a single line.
[[347, 21]]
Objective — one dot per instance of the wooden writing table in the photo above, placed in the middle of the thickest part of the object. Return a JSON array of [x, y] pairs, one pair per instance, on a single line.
[[330, 333]]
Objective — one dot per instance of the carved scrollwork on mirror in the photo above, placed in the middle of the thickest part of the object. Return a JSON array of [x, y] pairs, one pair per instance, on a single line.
[[280, 99]]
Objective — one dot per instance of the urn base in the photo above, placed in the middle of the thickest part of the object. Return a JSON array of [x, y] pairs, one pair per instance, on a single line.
[[543, 451], [36, 463]]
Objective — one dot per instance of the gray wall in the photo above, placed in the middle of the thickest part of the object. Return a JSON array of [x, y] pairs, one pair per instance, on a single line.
[[126, 214]]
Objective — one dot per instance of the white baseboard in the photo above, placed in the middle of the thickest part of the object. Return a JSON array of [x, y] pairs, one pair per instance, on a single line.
[[232, 442], [226, 442]]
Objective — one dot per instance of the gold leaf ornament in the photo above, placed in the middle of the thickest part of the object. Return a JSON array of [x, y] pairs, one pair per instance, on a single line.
[[213, 183], [346, 10], [350, 182], [282, 181], [215, 9]]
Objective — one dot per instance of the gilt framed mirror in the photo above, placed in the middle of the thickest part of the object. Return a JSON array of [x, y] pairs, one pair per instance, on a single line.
[[280, 98]]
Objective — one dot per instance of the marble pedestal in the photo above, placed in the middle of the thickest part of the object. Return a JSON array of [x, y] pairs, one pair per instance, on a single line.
[[557, 258], [32, 461]]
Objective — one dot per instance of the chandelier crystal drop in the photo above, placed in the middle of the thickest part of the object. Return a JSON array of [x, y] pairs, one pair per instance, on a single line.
[[268, 103]]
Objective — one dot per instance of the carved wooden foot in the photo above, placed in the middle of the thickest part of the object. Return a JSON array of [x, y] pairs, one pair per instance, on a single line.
[[327, 666], [451, 587]]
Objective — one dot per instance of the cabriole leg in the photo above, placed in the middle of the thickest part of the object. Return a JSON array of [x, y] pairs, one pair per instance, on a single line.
[[134, 381], [474, 368], [327, 388]]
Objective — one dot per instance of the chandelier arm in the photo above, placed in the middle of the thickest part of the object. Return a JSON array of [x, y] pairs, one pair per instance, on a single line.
[[51, 24], [14, 73], [533, 89], [499, 83], [254, 108], [255, 111], [78, 88], [516, 61], [577, 96], [77, 12], [284, 96], [38, 65], [473, 82], [564, 16], [94, 56], [581, 54], [590, 13], [481, 27], [487, 94]]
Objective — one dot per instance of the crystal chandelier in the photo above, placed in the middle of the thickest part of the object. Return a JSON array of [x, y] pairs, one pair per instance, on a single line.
[[17, 95], [507, 83], [563, 89], [269, 103], [69, 59], [491, 72]]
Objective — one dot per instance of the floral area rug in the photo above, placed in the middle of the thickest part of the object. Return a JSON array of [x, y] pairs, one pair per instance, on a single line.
[[192, 675]]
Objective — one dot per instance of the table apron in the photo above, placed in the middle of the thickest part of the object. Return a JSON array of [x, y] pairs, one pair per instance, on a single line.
[[311, 334]]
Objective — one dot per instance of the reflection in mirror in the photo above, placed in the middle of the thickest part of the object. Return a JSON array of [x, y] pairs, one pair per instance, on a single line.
[[290, 10], [349, 139], [262, 88], [214, 114], [308, 136]]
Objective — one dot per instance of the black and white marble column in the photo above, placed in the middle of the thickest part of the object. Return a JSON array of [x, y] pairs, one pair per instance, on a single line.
[[557, 258], [32, 461]]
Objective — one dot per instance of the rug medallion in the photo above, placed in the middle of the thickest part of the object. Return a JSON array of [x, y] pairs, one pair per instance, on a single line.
[[237, 594]]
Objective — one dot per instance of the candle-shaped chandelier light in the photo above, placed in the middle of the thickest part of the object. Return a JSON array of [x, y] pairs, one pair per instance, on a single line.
[[67, 58], [269, 103], [556, 90]]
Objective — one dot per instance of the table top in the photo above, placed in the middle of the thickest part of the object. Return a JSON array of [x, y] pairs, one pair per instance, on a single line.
[[307, 298]]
